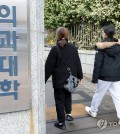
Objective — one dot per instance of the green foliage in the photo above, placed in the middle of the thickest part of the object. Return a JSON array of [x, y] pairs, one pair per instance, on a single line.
[[70, 12]]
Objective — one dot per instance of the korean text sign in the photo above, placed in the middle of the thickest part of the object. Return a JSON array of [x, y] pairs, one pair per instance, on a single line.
[[15, 92]]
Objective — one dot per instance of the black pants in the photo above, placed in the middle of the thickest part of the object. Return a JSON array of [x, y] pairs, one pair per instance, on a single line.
[[63, 103]]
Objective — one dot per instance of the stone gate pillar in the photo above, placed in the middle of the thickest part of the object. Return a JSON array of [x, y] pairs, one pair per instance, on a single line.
[[37, 67], [31, 121]]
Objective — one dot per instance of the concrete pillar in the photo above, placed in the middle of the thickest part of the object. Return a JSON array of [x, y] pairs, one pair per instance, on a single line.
[[31, 121], [37, 67]]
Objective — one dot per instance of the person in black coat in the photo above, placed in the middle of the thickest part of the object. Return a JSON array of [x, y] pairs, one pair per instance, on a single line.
[[61, 57], [106, 72]]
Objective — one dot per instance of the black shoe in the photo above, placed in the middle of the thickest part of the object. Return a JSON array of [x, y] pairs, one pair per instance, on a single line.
[[69, 117], [60, 125]]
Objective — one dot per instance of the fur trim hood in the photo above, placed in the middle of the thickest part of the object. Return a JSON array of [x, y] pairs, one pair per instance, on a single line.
[[112, 49], [103, 45]]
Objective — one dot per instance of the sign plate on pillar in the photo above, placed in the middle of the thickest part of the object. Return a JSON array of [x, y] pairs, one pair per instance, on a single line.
[[15, 90]]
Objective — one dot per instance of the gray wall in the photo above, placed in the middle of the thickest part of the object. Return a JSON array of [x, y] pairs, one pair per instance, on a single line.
[[87, 60]]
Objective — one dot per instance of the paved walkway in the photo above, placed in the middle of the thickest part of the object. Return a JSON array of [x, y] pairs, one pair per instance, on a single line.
[[83, 123]]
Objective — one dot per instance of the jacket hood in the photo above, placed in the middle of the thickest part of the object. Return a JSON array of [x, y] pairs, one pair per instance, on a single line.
[[113, 51], [103, 45], [110, 48]]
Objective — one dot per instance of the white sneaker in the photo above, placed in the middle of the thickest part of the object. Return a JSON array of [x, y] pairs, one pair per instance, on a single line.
[[88, 110]]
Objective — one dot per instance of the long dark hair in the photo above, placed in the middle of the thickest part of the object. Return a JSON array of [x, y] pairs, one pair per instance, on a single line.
[[62, 34]]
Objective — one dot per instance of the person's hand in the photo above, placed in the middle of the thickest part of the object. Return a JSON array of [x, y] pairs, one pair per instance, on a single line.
[[95, 82], [81, 81]]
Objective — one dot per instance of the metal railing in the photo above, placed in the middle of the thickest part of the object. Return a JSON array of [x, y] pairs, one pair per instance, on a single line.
[[86, 35]]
